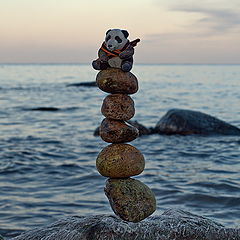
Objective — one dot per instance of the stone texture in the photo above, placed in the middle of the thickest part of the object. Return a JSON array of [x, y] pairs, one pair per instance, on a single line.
[[130, 199], [142, 130], [114, 80], [118, 107], [120, 161], [182, 121], [114, 131], [173, 224]]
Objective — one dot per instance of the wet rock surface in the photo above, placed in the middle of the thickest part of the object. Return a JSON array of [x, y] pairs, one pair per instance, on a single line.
[[172, 224], [118, 107], [181, 121], [114, 131], [130, 199], [120, 161], [114, 80]]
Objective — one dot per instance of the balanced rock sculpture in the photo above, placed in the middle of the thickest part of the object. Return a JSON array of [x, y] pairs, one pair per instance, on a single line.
[[130, 199]]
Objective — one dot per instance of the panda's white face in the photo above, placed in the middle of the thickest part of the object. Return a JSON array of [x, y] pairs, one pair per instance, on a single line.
[[116, 39]]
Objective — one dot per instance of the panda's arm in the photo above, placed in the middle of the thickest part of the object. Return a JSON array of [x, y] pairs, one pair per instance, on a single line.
[[102, 55], [127, 53]]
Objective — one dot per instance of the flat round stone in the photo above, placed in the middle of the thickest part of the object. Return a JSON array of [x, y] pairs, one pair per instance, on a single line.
[[114, 80], [120, 161], [115, 131], [130, 199], [118, 107]]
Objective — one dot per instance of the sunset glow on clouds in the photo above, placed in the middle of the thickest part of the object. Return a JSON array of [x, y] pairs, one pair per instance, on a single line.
[[171, 31]]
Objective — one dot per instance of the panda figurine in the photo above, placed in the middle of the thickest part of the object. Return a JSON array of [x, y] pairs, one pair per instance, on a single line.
[[116, 51]]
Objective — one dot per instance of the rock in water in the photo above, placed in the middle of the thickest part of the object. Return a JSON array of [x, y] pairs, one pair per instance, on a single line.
[[141, 128], [130, 199], [114, 131], [114, 80], [118, 107], [120, 161], [83, 84], [181, 121]]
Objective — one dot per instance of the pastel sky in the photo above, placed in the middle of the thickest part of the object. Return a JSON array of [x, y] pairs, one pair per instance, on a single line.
[[71, 31]]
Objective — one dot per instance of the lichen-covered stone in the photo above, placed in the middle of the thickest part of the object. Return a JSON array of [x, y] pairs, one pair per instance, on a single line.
[[118, 107], [130, 199], [113, 80], [115, 131], [120, 161]]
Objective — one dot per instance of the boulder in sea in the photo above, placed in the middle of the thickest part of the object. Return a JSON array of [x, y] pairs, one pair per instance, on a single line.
[[130, 199], [141, 128], [120, 161], [118, 107], [45, 109], [115, 131], [181, 121], [114, 80]]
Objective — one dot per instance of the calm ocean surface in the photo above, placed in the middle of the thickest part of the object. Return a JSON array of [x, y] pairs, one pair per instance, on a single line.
[[47, 159]]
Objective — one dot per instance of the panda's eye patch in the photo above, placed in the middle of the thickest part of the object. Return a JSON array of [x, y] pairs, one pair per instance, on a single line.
[[119, 40], [108, 38]]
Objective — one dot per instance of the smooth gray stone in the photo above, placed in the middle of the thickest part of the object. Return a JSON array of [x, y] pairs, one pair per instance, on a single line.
[[181, 121], [171, 225]]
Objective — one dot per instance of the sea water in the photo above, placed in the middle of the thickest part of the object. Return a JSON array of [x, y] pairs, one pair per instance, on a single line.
[[47, 158]]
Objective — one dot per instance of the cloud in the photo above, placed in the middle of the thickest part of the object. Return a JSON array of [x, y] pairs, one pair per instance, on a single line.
[[218, 19]]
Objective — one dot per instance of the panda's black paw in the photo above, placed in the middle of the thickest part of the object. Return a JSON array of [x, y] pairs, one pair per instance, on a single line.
[[99, 65], [96, 65], [126, 67]]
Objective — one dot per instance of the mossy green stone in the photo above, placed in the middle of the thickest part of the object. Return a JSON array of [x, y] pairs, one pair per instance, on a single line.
[[120, 160], [130, 199]]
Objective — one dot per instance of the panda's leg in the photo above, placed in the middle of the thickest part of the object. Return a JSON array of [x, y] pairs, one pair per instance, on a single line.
[[126, 66], [99, 65]]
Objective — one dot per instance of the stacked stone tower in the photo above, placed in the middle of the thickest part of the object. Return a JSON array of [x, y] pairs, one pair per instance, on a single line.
[[129, 198]]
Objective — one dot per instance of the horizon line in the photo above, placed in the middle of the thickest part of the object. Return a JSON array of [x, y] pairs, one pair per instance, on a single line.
[[78, 63]]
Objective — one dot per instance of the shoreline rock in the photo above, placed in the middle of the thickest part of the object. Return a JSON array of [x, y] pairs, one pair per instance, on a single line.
[[172, 224]]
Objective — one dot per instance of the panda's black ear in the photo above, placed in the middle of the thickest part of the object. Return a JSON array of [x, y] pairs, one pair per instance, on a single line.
[[125, 33], [108, 31]]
